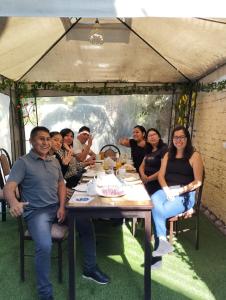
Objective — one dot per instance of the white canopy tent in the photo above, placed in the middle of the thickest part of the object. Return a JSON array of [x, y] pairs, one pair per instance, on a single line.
[[143, 50]]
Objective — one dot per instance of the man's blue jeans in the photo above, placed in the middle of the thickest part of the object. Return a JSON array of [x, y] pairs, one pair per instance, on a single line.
[[164, 209], [39, 224]]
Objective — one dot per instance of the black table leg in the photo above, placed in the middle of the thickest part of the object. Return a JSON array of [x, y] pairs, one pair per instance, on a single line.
[[147, 257], [71, 256]]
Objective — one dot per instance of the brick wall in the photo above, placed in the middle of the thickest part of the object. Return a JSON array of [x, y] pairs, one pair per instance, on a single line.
[[208, 137]]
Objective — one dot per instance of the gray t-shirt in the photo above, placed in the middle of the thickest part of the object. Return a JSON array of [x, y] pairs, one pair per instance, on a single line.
[[38, 179]]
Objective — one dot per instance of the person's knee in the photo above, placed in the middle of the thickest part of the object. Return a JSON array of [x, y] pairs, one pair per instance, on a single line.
[[44, 246]]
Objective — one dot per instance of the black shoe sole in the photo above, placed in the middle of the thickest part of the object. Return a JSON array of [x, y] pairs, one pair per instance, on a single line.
[[90, 278]]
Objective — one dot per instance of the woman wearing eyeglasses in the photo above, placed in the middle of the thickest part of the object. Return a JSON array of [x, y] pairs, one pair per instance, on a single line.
[[180, 174], [155, 150]]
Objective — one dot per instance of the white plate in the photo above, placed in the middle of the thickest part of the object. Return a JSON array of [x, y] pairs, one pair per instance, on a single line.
[[131, 178], [110, 193], [111, 196], [81, 187], [90, 173]]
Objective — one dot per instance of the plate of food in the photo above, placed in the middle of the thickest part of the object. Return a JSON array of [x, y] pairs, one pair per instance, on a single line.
[[129, 168], [90, 173], [131, 177], [111, 191]]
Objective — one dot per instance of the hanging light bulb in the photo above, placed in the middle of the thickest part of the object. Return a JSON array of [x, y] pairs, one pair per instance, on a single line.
[[96, 36]]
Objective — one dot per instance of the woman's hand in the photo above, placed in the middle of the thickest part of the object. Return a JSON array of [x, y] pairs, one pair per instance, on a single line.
[[90, 161], [67, 147], [169, 193], [144, 178], [67, 157], [124, 142]]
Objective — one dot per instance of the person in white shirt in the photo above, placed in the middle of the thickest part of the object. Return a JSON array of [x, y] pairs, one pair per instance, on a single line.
[[82, 144]]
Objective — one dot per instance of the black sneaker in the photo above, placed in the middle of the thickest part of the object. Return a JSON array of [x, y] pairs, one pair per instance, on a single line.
[[97, 276]]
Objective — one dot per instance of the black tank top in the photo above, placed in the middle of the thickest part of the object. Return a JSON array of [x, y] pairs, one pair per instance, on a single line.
[[179, 172], [152, 163], [137, 153]]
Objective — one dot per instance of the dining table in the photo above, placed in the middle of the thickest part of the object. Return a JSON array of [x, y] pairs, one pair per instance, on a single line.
[[134, 203]]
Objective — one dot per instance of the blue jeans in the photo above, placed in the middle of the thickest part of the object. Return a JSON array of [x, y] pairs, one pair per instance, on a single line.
[[88, 241], [39, 224], [164, 209]]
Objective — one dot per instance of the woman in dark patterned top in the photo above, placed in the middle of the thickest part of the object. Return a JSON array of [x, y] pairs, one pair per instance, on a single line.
[[155, 150], [137, 145], [72, 170], [180, 174]]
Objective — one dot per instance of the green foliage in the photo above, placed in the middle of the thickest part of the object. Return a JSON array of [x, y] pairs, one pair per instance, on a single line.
[[183, 105]]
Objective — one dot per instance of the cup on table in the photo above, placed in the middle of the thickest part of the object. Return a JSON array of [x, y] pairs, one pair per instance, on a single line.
[[101, 155], [118, 164], [121, 172]]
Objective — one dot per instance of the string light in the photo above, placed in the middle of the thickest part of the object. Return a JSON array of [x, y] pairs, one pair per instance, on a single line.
[[96, 36]]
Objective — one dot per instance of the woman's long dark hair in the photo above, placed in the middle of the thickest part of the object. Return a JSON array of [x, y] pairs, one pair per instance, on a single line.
[[160, 143], [189, 149], [142, 129], [65, 131]]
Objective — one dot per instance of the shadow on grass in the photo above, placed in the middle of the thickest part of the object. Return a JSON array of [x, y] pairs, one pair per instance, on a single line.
[[209, 262], [119, 255]]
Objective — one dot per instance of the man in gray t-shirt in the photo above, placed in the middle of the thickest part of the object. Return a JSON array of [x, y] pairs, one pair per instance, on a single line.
[[43, 195]]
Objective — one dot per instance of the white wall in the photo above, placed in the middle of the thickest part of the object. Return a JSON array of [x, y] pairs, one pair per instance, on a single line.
[[4, 123], [209, 138]]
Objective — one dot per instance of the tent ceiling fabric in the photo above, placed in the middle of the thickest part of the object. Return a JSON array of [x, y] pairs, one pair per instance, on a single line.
[[152, 50]]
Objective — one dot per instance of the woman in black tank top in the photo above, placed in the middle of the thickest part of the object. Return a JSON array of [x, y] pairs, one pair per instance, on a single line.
[[180, 174], [155, 150], [137, 145]]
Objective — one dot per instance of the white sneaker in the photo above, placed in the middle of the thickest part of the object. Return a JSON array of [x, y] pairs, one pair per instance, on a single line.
[[163, 248]]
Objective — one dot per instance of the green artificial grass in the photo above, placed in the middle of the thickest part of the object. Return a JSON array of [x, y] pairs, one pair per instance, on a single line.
[[186, 274]]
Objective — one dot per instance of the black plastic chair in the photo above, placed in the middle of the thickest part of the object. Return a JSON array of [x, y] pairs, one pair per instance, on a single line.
[[5, 166], [110, 148]]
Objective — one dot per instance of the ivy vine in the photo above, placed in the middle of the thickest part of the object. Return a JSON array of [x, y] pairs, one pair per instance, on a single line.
[[26, 90]]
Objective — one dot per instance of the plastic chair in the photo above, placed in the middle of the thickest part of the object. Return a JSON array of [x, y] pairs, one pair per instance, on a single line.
[[193, 213], [5, 166], [110, 150]]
